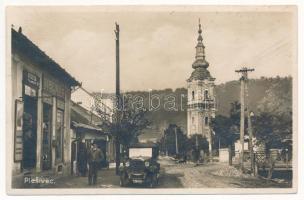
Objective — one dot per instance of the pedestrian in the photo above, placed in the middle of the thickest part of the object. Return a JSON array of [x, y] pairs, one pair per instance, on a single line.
[[95, 156]]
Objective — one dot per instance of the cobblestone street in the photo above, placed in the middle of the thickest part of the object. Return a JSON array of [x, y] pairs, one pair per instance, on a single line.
[[211, 175]]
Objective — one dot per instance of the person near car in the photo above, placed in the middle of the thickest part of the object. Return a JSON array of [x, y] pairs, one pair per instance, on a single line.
[[95, 156]]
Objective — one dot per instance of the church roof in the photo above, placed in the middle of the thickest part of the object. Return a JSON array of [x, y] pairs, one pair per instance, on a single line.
[[200, 64], [200, 73]]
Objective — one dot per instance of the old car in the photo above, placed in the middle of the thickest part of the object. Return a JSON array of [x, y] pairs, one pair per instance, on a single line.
[[140, 166]]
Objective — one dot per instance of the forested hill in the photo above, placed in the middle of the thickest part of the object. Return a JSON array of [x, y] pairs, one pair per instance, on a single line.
[[261, 91], [264, 93]]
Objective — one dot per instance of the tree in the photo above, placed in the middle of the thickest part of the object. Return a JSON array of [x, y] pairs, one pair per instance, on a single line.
[[225, 128], [225, 131], [272, 129], [124, 125], [273, 123], [235, 113], [169, 140]]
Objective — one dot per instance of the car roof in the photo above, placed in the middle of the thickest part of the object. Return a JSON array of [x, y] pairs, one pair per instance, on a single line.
[[143, 145]]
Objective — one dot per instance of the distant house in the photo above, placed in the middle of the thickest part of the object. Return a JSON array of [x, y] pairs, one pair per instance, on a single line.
[[84, 132], [85, 123]]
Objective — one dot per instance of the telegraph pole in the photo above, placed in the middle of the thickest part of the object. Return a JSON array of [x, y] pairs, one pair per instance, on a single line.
[[244, 79], [117, 143], [176, 143], [117, 65]]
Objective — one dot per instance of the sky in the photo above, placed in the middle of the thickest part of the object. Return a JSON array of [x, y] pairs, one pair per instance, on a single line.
[[157, 45]]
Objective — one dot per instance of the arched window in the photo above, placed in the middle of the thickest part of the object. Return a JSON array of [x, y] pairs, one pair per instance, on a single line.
[[193, 95], [206, 94], [206, 121]]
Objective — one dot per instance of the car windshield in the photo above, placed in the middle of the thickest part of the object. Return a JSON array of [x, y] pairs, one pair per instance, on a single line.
[[137, 152]]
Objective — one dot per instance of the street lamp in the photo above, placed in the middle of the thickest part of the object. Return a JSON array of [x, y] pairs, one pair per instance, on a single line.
[[250, 115]]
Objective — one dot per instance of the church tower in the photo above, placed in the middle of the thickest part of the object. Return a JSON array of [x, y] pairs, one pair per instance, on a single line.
[[201, 97]]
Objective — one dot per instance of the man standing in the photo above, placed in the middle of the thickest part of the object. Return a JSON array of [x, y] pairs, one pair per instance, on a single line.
[[95, 157]]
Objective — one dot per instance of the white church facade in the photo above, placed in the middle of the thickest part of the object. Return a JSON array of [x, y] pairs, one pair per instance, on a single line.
[[201, 95]]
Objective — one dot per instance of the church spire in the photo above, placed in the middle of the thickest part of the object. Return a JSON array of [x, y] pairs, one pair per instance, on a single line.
[[200, 60]]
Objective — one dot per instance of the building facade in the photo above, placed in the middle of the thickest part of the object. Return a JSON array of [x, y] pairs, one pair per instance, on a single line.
[[201, 96], [84, 132], [41, 93], [84, 113]]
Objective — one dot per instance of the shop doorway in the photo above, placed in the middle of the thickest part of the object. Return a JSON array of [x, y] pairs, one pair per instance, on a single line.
[[46, 140], [29, 132]]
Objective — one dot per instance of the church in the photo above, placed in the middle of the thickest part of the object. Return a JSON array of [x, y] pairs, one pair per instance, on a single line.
[[201, 95]]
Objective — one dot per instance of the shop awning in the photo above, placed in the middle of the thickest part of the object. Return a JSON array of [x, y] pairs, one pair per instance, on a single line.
[[86, 128]]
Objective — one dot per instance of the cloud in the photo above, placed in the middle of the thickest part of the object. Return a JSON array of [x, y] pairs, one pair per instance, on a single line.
[[157, 49]]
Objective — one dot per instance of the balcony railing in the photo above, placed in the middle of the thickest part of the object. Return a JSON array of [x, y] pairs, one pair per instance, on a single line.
[[205, 105]]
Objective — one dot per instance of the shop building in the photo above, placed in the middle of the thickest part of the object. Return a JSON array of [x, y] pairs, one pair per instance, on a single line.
[[84, 132], [41, 91]]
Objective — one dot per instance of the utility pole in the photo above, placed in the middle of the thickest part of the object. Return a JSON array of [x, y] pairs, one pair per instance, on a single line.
[[196, 141], [176, 143], [244, 71], [117, 143], [117, 63]]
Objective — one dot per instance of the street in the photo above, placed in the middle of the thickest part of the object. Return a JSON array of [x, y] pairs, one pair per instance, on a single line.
[[185, 175]]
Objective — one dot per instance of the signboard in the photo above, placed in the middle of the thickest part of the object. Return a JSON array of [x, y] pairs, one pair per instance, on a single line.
[[30, 91], [53, 87], [18, 139], [31, 79]]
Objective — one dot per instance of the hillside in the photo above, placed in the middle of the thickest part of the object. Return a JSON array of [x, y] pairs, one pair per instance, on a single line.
[[262, 92]]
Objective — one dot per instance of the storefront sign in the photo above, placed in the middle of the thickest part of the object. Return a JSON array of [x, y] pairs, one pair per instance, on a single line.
[[31, 79], [18, 139], [30, 91], [53, 87]]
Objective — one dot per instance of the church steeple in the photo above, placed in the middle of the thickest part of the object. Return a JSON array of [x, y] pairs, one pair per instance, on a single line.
[[200, 60]]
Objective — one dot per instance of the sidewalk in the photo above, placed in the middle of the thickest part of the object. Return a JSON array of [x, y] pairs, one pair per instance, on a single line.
[[106, 179]]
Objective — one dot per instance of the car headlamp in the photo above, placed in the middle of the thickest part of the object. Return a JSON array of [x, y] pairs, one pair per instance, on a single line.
[[147, 164], [127, 164]]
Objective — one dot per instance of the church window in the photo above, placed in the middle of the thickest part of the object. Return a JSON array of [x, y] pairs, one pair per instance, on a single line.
[[192, 120], [206, 121], [206, 94], [192, 95]]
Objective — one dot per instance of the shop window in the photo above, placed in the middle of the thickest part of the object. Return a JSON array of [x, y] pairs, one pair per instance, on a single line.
[[59, 135]]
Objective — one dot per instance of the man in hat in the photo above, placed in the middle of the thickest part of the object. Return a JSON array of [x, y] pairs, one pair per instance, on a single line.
[[95, 156]]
